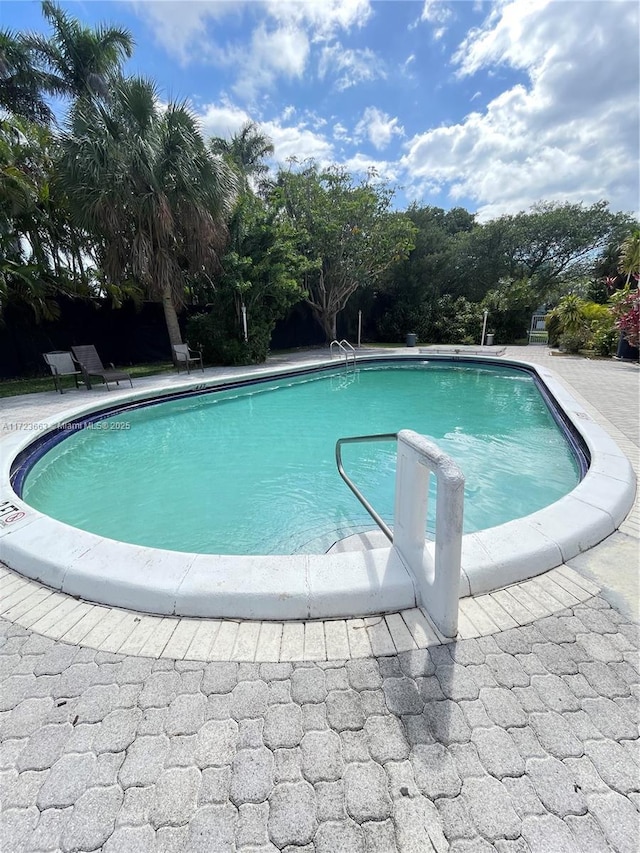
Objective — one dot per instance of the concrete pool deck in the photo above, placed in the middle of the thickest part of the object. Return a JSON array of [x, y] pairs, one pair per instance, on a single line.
[[524, 741], [295, 587]]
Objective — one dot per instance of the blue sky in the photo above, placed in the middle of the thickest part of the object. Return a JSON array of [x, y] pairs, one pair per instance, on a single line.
[[488, 105]]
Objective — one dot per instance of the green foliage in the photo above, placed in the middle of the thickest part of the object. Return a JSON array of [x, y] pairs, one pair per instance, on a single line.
[[35, 227], [629, 262], [577, 324], [262, 271], [217, 336], [625, 305], [510, 306], [448, 320], [572, 342], [80, 59], [346, 232], [142, 183], [553, 327], [407, 294], [604, 339]]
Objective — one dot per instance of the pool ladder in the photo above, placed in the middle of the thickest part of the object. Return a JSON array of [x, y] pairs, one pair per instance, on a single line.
[[434, 568], [347, 350]]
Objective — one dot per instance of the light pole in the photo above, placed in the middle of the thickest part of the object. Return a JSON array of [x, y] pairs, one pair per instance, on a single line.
[[244, 322], [484, 326]]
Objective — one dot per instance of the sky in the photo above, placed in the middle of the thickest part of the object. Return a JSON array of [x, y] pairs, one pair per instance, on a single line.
[[491, 106]]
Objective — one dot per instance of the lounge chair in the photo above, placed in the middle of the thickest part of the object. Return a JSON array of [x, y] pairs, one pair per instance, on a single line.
[[61, 364], [90, 365], [183, 354]]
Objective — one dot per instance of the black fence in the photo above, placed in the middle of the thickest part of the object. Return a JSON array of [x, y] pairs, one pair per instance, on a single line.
[[125, 335]]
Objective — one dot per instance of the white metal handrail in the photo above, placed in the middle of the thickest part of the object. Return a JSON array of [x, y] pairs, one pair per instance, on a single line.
[[387, 436], [435, 568], [346, 348]]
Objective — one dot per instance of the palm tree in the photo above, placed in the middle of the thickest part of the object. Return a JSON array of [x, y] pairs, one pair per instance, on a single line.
[[23, 86], [246, 152], [143, 183], [39, 249], [80, 58], [629, 263]]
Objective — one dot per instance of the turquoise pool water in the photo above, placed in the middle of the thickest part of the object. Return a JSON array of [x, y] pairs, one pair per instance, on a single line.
[[252, 470]]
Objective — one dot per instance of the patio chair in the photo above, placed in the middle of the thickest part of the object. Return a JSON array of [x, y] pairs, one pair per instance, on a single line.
[[90, 365], [61, 364], [183, 354]]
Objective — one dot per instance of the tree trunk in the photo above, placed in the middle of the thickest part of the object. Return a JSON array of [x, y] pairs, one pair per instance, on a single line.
[[328, 323], [171, 318], [331, 325]]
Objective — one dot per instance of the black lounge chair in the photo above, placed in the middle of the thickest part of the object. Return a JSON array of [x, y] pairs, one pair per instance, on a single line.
[[89, 361], [183, 354], [61, 364]]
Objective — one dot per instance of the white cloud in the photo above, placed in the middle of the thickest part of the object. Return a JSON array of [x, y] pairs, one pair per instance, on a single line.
[[323, 17], [570, 133], [289, 140], [223, 119], [378, 127], [280, 42], [361, 165], [437, 13], [349, 67], [340, 132], [181, 28], [282, 52], [297, 141]]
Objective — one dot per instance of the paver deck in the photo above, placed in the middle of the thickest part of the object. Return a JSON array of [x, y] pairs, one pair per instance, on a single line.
[[126, 732]]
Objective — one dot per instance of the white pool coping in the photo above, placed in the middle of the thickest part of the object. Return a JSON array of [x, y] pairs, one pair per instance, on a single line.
[[295, 587]]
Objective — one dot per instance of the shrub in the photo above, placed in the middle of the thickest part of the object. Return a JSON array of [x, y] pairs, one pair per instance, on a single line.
[[627, 313], [223, 345], [571, 342], [604, 340]]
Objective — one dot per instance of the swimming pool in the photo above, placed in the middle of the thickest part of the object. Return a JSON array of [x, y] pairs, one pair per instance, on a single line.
[[251, 470], [299, 586]]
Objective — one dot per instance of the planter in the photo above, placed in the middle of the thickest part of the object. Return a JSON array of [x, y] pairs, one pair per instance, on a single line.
[[626, 351]]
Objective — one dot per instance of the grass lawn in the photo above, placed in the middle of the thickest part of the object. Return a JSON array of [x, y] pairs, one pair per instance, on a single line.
[[14, 387]]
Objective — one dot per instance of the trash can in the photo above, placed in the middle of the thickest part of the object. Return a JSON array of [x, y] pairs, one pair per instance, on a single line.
[[490, 339], [411, 339]]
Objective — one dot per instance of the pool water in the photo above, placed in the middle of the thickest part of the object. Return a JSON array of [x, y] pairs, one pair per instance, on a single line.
[[252, 470]]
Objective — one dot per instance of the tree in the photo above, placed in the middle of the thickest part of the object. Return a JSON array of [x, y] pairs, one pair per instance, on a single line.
[[553, 246], [629, 263], [79, 58], [23, 85], [347, 233], [39, 249], [409, 292], [261, 270], [245, 152], [261, 273], [142, 182]]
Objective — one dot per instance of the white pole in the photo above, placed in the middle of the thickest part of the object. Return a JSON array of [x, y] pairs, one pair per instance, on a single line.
[[359, 327], [484, 326], [244, 322]]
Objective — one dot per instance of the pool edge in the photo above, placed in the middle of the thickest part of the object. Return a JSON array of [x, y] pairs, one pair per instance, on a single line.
[[330, 586]]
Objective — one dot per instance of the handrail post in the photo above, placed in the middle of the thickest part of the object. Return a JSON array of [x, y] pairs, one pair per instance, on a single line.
[[437, 575]]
